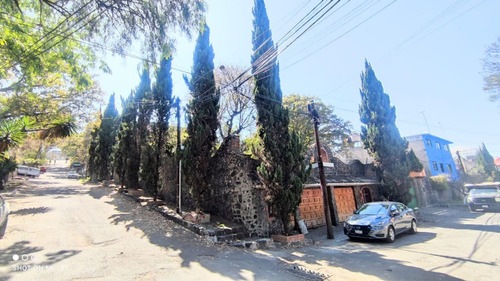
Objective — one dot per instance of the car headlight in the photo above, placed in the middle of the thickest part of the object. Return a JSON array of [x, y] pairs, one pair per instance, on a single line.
[[379, 224]]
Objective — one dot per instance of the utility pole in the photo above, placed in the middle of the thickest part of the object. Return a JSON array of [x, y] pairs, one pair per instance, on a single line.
[[322, 179], [462, 165], [179, 156]]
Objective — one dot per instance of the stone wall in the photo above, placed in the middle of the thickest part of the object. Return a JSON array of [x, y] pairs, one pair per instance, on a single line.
[[234, 190]]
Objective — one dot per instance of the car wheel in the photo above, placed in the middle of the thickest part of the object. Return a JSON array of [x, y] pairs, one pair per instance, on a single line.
[[391, 234], [3, 228], [413, 228]]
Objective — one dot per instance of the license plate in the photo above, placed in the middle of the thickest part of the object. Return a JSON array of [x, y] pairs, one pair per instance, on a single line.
[[358, 231], [484, 206]]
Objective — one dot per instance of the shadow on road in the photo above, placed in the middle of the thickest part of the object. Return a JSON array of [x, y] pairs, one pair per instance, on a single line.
[[190, 247], [30, 211], [19, 248]]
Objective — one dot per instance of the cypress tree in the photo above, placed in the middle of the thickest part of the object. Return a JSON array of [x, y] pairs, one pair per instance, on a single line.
[[486, 165], [144, 103], [383, 141], [202, 118], [282, 169], [106, 140], [162, 95], [92, 163], [126, 156]]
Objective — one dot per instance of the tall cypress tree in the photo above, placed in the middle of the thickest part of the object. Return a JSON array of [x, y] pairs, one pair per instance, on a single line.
[[126, 155], [202, 118], [92, 164], [383, 141], [143, 99], [106, 140], [162, 95], [283, 169]]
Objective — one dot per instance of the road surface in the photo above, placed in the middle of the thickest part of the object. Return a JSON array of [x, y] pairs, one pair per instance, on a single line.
[[60, 229]]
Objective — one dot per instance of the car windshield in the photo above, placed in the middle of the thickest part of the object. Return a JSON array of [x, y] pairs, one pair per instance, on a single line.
[[485, 191], [372, 209]]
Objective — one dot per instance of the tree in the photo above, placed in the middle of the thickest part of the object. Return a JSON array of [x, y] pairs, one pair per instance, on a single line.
[[7, 165], [491, 70], [144, 102], [126, 157], [40, 35], [92, 166], [106, 140], [486, 165], [237, 109], [46, 53], [333, 130], [202, 118], [283, 169], [114, 21], [381, 138], [162, 95]]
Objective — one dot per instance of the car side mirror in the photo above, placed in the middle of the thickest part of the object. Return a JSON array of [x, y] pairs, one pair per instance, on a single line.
[[394, 213]]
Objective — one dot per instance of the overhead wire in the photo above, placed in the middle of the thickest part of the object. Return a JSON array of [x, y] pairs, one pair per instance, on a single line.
[[342, 35]]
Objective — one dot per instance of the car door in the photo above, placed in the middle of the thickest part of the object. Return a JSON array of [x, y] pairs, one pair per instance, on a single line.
[[396, 217], [405, 216]]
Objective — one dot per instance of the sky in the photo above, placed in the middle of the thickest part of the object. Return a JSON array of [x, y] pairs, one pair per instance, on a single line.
[[427, 54]]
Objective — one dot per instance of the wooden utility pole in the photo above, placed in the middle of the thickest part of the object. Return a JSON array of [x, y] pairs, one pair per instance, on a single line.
[[178, 153], [462, 166], [322, 179]]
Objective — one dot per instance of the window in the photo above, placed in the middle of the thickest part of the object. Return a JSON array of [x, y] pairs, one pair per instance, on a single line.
[[446, 147], [435, 165], [450, 169], [367, 195], [429, 142], [442, 167], [438, 145]]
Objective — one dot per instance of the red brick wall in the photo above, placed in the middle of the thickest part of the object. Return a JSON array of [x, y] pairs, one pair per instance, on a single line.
[[311, 208]]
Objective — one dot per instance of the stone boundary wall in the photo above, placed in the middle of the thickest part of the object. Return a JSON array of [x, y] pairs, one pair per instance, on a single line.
[[235, 192]]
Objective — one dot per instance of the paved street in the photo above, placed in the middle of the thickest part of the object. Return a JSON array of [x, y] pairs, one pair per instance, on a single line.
[[60, 229]]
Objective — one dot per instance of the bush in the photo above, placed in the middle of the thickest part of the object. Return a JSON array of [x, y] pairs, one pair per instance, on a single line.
[[439, 183]]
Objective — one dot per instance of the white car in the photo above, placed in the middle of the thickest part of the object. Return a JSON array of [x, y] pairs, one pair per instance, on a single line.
[[4, 216], [73, 175]]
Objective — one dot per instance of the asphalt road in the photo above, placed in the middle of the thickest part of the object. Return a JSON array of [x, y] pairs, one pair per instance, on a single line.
[[60, 229]]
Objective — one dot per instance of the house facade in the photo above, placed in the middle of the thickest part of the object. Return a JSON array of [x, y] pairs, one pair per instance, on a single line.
[[434, 154]]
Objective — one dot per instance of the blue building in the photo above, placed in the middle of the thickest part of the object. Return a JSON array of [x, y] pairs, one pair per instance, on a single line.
[[434, 154]]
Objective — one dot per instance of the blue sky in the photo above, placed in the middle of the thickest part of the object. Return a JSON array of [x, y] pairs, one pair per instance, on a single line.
[[426, 53]]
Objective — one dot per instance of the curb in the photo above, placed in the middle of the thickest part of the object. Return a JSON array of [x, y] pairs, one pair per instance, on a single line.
[[228, 236]]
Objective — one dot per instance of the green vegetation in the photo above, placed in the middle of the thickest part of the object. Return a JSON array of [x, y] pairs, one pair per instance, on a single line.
[[439, 183], [202, 118], [283, 169], [486, 165], [106, 140], [333, 130], [381, 138]]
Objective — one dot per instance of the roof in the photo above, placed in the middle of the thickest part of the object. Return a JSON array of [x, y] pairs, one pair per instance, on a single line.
[[343, 181], [422, 136], [382, 202]]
